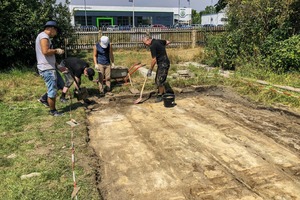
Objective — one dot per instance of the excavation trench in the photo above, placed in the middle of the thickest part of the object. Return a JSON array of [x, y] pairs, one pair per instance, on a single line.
[[213, 144]]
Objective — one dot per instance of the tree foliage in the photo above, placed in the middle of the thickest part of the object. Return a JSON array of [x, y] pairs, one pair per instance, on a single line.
[[196, 19], [220, 5], [208, 10], [20, 22], [255, 27]]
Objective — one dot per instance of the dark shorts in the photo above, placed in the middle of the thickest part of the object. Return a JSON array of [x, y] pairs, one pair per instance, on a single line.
[[161, 74]]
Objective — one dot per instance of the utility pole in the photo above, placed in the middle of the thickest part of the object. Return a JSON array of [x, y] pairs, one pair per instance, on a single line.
[[178, 11], [133, 13], [85, 12]]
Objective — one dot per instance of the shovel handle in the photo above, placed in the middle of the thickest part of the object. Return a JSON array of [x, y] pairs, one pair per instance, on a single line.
[[130, 80], [143, 87]]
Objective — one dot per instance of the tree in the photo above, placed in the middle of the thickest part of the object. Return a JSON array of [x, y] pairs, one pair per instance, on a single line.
[[196, 19], [220, 5], [20, 22], [295, 17], [255, 28], [208, 10]]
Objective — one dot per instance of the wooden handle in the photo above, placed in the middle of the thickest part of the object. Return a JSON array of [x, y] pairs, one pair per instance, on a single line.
[[143, 87]]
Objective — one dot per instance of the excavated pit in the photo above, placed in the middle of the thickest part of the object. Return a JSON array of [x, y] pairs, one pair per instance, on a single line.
[[213, 144]]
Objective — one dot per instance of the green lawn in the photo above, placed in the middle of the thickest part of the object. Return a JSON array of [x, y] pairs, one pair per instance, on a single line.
[[33, 141]]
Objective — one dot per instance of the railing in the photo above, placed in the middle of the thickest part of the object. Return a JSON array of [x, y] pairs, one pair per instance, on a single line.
[[133, 38]]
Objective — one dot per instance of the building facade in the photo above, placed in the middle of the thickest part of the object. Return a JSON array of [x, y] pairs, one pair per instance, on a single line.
[[121, 15], [214, 19]]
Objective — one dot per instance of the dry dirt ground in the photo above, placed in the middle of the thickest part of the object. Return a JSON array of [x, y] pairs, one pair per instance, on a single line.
[[213, 144]]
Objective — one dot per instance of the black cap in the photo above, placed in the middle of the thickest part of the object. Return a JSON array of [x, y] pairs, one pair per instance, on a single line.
[[90, 73], [51, 24]]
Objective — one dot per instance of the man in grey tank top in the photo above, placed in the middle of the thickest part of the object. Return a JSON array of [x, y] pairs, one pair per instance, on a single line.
[[46, 64]]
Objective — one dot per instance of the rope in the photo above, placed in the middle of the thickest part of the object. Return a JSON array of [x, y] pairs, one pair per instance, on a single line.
[[75, 188]]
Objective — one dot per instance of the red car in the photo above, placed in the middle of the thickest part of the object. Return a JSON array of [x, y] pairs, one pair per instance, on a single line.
[[161, 26]]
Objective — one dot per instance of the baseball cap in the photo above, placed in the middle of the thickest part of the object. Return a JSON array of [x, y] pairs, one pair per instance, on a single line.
[[51, 24], [104, 41], [90, 73]]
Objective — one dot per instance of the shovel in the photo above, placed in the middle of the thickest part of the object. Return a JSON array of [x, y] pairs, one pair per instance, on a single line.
[[132, 89], [140, 98]]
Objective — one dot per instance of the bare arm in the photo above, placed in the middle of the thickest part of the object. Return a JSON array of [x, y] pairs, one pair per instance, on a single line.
[[95, 55], [77, 80], [45, 48], [153, 62], [112, 59]]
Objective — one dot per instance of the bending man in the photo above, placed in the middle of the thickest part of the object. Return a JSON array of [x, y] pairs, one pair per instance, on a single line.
[[73, 68]]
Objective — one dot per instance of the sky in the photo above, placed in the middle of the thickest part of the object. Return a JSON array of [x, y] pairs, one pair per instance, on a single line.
[[198, 5]]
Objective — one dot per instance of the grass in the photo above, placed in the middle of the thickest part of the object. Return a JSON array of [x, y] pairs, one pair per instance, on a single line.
[[34, 141]]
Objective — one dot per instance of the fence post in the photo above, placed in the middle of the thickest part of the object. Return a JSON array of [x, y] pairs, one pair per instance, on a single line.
[[194, 38], [99, 35]]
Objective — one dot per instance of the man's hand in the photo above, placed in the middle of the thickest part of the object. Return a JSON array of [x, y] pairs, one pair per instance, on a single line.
[[112, 64], [149, 73], [63, 69], [59, 51]]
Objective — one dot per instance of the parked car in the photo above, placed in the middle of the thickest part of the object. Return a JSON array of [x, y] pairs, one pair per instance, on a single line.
[[87, 28], [195, 26], [208, 25], [125, 28], [160, 26], [113, 28], [182, 26], [144, 26]]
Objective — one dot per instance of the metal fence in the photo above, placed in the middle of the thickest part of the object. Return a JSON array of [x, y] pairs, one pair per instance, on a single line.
[[133, 38]]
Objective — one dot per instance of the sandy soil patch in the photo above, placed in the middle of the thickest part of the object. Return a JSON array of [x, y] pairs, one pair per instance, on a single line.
[[212, 145]]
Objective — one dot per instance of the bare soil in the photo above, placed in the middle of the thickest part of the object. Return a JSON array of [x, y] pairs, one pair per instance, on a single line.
[[213, 144]]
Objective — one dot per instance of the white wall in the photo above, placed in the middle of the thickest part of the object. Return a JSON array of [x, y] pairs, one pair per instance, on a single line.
[[214, 19]]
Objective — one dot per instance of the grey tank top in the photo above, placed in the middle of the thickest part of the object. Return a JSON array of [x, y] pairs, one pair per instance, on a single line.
[[43, 62]]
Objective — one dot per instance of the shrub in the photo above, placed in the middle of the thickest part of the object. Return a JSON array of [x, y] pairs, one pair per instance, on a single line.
[[222, 51], [285, 54]]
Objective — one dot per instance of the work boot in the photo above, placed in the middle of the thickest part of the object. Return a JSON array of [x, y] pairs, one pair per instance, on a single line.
[[63, 100], [44, 102], [101, 93], [107, 89], [55, 113], [159, 98]]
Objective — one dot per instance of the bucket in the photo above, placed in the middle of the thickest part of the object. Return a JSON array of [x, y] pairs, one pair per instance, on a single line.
[[169, 100]]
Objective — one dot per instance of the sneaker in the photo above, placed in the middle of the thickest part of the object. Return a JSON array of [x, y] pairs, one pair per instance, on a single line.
[[110, 93], [55, 113], [107, 89], [158, 99], [101, 94], [63, 100], [45, 103]]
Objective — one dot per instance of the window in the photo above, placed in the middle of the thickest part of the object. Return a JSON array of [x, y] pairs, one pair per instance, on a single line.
[[80, 20]]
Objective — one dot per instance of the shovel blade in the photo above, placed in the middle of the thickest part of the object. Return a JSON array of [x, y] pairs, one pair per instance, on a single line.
[[138, 100], [134, 90]]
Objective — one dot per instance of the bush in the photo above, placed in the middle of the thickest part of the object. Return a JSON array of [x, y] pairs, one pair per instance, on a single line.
[[285, 54], [222, 51]]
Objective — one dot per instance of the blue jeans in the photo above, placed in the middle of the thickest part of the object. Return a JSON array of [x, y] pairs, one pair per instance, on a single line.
[[53, 82]]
